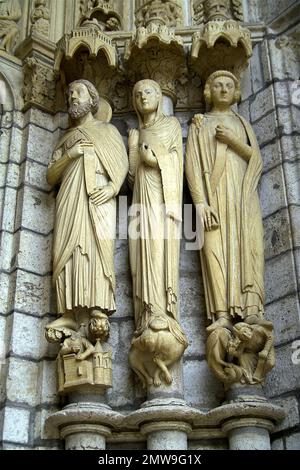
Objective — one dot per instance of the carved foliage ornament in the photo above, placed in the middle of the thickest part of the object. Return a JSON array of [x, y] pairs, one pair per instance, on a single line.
[[39, 84]]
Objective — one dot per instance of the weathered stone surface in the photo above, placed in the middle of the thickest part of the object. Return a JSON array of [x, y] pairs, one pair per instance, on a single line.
[[10, 174], [48, 382], [40, 144], [199, 382], [295, 224], [256, 69], [194, 327], [285, 317], [246, 84], [37, 210], [122, 392], [191, 296], [262, 104], [265, 129], [288, 119], [9, 204], [244, 110], [285, 376], [124, 302], [7, 292], [279, 277], [271, 191], [292, 179], [277, 236], [271, 155], [121, 257], [41, 263], [22, 381], [290, 405], [16, 425], [293, 441], [42, 432], [27, 336], [189, 260], [34, 294], [9, 247], [277, 444]]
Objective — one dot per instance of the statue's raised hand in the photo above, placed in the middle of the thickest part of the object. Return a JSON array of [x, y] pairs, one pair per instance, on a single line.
[[225, 135]]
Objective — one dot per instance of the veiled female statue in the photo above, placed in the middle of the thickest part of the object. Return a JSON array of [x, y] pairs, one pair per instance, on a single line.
[[156, 174], [223, 167]]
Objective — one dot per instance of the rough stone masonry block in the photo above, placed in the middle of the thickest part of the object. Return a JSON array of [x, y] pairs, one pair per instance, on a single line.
[[290, 146], [284, 60], [285, 315], [290, 405], [121, 257], [40, 144], [293, 441], [35, 175], [10, 173], [27, 336], [194, 328], [277, 234], [9, 247], [38, 211], [16, 425], [277, 444], [265, 128], [272, 192], [295, 224], [124, 302], [292, 179], [40, 245], [122, 393], [262, 104], [191, 299], [7, 292], [285, 376], [22, 382], [244, 110], [16, 145], [48, 382], [34, 294], [280, 277], [271, 155], [201, 388], [40, 430], [288, 119], [9, 207], [256, 69]]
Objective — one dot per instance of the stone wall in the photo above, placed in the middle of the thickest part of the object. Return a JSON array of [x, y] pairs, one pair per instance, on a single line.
[[27, 302]]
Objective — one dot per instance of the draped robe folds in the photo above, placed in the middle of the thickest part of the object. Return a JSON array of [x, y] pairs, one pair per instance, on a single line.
[[9, 9], [157, 198], [232, 257], [84, 234]]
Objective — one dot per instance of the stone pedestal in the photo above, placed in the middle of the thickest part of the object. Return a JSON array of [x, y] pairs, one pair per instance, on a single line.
[[166, 435], [85, 436], [248, 433], [85, 425]]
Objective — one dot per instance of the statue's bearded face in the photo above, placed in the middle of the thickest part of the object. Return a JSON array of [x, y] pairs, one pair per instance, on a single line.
[[146, 99], [222, 91], [80, 101]]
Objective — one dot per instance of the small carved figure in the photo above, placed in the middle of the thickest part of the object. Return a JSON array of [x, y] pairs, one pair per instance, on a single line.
[[10, 13], [40, 18]]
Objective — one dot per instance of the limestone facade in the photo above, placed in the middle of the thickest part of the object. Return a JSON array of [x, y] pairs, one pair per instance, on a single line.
[[33, 117]]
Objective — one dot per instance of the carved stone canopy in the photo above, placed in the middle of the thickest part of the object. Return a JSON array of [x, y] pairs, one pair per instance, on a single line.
[[101, 13], [87, 52], [157, 53], [221, 45]]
